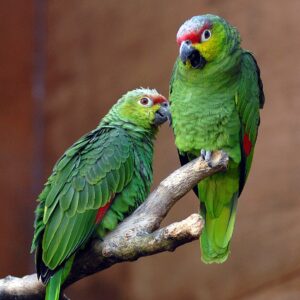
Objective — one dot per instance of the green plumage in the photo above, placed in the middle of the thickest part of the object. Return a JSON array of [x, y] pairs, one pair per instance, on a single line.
[[216, 106], [110, 167]]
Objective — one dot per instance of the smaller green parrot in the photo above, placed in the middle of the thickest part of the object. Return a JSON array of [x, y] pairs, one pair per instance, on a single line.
[[97, 182], [215, 96]]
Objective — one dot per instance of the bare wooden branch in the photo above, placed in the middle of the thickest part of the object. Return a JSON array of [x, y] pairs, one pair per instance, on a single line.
[[136, 236]]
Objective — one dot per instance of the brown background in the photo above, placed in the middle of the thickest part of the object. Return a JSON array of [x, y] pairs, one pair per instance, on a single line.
[[64, 63]]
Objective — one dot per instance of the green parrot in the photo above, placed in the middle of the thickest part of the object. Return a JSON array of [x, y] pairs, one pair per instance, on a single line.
[[97, 182], [215, 96]]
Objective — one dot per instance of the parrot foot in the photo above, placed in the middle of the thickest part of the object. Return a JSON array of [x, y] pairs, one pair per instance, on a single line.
[[206, 155]]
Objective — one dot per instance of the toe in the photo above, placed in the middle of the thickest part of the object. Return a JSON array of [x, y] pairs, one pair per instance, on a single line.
[[207, 155], [203, 152]]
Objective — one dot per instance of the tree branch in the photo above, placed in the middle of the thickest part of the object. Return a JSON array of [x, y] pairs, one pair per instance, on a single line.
[[137, 236]]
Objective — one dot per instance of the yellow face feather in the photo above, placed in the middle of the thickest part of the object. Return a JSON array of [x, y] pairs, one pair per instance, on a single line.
[[140, 106], [206, 39], [212, 48]]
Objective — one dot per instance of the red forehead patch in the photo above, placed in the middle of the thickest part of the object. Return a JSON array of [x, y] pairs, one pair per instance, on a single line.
[[159, 99], [193, 36]]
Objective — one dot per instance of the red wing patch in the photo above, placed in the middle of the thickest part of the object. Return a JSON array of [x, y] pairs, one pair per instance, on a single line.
[[102, 210], [247, 144]]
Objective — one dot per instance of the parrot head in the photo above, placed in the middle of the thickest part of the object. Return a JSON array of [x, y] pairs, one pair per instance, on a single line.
[[205, 39], [145, 108]]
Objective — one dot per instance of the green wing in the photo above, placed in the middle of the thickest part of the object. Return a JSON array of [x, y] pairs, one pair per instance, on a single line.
[[249, 99], [86, 177], [173, 77]]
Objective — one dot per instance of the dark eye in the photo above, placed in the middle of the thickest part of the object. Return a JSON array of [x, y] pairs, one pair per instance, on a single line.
[[145, 101], [206, 34]]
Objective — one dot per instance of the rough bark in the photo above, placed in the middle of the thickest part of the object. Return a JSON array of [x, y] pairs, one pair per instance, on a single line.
[[136, 236]]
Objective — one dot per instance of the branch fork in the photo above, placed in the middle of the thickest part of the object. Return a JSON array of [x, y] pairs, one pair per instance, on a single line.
[[137, 236]]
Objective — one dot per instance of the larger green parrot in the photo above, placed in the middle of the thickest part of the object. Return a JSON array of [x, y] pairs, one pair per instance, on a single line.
[[215, 96], [96, 183]]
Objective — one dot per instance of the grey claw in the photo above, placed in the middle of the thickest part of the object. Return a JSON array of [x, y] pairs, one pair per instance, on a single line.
[[206, 155]]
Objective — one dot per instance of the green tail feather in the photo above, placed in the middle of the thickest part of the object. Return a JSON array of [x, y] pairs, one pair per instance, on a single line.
[[54, 285], [217, 233]]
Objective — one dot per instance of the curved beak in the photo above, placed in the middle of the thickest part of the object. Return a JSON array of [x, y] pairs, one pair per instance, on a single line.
[[163, 114], [188, 53]]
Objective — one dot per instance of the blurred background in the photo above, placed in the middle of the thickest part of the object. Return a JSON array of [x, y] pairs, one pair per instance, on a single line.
[[64, 63]]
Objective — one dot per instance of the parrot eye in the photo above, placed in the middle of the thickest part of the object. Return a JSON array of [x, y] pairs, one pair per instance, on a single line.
[[145, 101], [206, 34]]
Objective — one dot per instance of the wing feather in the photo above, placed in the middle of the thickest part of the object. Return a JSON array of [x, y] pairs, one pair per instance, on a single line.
[[83, 180], [250, 98]]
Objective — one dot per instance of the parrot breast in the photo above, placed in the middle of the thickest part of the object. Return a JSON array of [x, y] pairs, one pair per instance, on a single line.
[[204, 111]]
